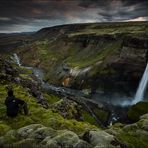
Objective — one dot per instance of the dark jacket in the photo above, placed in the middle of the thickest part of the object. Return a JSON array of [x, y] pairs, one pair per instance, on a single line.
[[13, 105]]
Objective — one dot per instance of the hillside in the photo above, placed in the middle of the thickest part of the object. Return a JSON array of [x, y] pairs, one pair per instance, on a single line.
[[53, 121], [74, 74], [99, 56]]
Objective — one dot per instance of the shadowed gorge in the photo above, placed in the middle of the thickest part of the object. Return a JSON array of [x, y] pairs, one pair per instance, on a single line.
[[98, 57], [79, 81]]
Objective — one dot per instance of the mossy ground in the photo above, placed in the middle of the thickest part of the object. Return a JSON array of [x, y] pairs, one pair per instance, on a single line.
[[88, 118], [113, 28], [132, 135], [37, 114], [133, 139], [48, 55], [137, 110]]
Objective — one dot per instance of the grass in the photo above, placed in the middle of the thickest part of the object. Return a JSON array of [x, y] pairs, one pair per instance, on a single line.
[[137, 110], [88, 118], [113, 28], [132, 140], [87, 56], [37, 114]]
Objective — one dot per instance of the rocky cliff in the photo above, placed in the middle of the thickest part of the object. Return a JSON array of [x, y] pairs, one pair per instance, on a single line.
[[103, 60], [108, 56]]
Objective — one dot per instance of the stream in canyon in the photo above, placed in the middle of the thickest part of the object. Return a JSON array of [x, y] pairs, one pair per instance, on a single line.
[[115, 103]]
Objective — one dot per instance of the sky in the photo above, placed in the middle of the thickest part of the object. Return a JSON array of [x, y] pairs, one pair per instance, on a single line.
[[32, 15]]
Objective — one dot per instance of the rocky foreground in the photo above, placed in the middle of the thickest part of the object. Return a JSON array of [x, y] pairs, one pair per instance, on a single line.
[[38, 135]]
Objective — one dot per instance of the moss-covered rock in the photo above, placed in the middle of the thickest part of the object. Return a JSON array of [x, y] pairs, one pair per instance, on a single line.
[[88, 118], [37, 135], [137, 110], [3, 128], [68, 109], [100, 138], [134, 135], [37, 114]]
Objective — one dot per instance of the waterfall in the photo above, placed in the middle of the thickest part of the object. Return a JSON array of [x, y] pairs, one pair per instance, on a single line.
[[142, 86], [38, 73], [17, 60]]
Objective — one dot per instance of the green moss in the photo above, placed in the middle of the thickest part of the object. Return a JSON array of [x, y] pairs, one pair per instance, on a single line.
[[51, 98], [132, 140], [88, 118], [25, 76], [37, 114], [29, 143], [137, 110], [24, 70], [142, 122], [87, 57], [113, 28], [10, 137], [3, 128], [101, 114]]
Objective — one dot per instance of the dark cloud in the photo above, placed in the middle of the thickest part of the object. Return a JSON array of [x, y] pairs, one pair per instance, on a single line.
[[30, 15]]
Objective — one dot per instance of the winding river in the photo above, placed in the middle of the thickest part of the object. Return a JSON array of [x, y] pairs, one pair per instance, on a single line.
[[83, 98]]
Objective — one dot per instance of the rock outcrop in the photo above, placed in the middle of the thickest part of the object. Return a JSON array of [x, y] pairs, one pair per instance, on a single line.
[[132, 135], [37, 135]]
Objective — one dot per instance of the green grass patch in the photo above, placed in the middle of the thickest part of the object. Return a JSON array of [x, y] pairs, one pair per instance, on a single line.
[[88, 118], [37, 114], [137, 110]]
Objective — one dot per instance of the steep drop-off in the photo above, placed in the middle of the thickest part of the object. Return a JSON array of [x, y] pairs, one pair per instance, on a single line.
[[110, 57]]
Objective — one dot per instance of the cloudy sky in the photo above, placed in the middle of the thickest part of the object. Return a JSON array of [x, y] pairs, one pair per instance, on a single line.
[[31, 15]]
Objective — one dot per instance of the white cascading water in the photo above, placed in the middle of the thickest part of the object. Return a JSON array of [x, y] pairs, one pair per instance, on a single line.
[[17, 59], [142, 86], [37, 72]]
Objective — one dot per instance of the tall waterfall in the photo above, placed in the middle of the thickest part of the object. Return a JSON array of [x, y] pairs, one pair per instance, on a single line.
[[142, 86], [17, 59]]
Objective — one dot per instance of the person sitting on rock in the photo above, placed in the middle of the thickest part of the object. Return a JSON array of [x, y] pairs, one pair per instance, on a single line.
[[14, 105]]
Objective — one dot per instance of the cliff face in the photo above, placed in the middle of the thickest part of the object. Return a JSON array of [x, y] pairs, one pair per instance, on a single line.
[[110, 57], [57, 125]]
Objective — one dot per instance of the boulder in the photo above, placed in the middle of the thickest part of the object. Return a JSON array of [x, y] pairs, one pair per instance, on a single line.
[[145, 127], [29, 143], [41, 133], [67, 138], [145, 116], [142, 134], [130, 127], [82, 144], [99, 138], [63, 139], [24, 132], [68, 109], [37, 135]]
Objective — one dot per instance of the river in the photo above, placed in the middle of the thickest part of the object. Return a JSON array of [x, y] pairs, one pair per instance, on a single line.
[[80, 96]]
